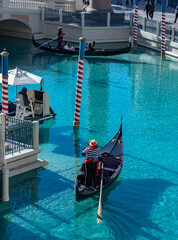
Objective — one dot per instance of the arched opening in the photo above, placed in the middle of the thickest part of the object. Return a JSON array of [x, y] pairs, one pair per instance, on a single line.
[[15, 28]]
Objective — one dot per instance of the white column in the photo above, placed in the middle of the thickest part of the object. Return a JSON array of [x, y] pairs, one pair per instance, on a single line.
[[42, 14], [2, 139], [157, 28], [5, 184], [60, 16], [36, 135], [144, 24], [108, 19], [82, 19], [173, 34], [131, 19]]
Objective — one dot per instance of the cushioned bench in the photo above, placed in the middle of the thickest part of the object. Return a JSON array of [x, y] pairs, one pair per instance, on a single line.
[[111, 163]]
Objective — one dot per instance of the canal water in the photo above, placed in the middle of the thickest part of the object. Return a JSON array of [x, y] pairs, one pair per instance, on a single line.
[[141, 204]]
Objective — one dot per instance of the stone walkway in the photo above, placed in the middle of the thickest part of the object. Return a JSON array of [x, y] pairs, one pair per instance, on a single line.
[[170, 12]]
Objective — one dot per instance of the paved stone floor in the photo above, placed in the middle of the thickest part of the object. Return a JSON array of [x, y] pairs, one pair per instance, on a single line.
[[170, 11]]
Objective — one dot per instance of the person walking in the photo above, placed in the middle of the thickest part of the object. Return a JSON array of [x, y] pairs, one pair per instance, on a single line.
[[176, 13], [147, 8], [152, 9]]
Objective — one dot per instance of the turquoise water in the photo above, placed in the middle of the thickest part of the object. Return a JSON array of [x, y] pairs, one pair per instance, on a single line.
[[141, 204]]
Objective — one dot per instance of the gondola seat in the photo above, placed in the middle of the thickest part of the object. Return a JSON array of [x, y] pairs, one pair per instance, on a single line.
[[111, 163]]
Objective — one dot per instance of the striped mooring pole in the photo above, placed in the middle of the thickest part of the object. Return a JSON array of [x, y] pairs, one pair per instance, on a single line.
[[135, 23], [76, 122], [163, 41], [4, 57]]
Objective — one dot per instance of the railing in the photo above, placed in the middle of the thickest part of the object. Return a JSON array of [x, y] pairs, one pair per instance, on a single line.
[[28, 4], [72, 18], [51, 14], [19, 135], [86, 19], [154, 27], [66, 5]]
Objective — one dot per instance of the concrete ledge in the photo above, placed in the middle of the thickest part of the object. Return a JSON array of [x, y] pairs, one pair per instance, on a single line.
[[27, 167]]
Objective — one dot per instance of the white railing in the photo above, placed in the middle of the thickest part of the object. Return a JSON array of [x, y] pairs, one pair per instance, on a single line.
[[28, 4], [65, 5]]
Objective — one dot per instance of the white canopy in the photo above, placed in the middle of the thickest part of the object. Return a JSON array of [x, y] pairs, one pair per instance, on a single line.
[[20, 77]]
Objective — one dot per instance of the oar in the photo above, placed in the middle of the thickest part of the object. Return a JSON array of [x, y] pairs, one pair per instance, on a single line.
[[99, 214], [42, 44]]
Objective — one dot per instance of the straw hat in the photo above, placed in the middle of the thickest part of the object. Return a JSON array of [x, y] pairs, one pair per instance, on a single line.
[[93, 143]]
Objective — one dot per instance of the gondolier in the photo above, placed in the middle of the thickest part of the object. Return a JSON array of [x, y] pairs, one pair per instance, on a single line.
[[60, 36], [112, 161], [91, 163]]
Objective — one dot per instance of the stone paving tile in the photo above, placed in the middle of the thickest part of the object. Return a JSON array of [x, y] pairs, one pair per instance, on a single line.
[[170, 11]]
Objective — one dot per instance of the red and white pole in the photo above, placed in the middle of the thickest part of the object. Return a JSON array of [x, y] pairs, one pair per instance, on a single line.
[[4, 56], [135, 23], [76, 122], [163, 41]]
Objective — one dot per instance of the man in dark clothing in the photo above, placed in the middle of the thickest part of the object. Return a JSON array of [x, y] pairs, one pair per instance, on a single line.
[[25, 97], [147, 8], [59, 36], [176, 13], [91, 163], [152, 9]]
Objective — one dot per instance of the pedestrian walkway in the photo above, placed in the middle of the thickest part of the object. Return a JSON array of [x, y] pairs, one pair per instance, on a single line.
[[170, 11]]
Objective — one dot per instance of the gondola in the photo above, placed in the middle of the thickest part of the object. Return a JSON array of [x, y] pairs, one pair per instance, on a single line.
[[96, 52], [112, 158]]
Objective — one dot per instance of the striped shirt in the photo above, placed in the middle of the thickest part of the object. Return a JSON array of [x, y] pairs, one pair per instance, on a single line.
[[91, 154]]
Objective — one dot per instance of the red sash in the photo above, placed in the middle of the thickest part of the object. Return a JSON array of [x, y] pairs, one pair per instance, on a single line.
[[88, 160]]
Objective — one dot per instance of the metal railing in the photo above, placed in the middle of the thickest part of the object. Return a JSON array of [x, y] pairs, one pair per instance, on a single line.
[[154, 27], [51, 14], [72, 18], [87, 19], [19, 135]]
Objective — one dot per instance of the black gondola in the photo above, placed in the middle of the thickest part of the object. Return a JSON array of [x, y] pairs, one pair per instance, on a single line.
[[112, 157], [96, 52]]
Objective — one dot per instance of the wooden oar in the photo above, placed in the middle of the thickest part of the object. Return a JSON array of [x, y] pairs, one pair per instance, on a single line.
[[99, 214], [42, 44]]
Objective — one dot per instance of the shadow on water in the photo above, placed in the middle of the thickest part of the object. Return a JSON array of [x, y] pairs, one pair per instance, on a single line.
[[23, 232], [127, 216], [152, 163], [63, 135], [24, 189], [29, 189], [126, 207]]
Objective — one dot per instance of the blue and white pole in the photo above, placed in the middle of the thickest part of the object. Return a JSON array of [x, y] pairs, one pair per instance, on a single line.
[[4, 56], [135, 23], [163, 41], [76, 122]]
